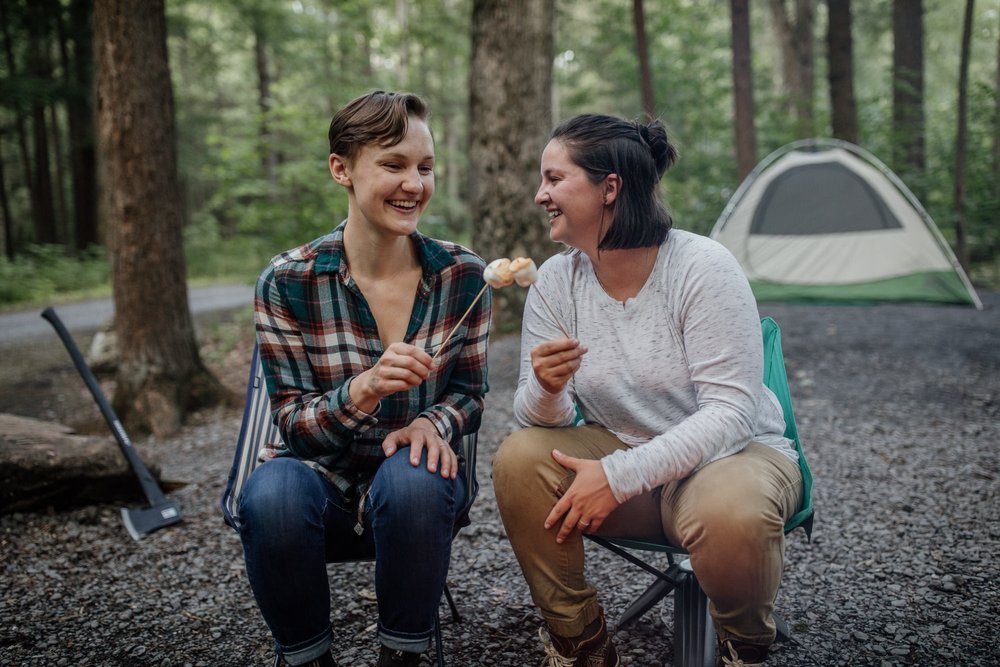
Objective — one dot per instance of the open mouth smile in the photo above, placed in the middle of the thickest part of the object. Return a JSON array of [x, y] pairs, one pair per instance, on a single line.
[[404, 204]]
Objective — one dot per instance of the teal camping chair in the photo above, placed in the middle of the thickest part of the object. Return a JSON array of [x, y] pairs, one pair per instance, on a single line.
[[694, 634], [257, 430]]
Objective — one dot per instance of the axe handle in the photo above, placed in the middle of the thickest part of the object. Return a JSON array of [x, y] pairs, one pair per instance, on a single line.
[[149, 486]]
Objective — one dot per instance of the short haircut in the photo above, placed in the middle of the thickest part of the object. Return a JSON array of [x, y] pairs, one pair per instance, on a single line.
[[377, 117], [639, 155]]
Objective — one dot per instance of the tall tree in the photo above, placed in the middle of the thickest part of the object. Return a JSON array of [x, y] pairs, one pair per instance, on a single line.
[[642, 51], [840, 73], [996, 127], [20, 120], [510, 118], [8, 223], [795, 34], [39, 67], [160, 374], [743, 108], [908, 92], [80, 112], [269, 156], [961, 232]]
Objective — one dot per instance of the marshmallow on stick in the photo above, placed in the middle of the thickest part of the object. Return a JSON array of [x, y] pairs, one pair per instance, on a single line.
[[526, 274], [500, 273], [497, 273]]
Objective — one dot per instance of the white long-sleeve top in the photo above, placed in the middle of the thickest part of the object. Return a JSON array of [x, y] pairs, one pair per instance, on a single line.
[[675, 372]]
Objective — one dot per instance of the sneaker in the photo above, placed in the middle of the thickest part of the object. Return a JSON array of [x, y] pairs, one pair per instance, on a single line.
[[592, 648], [735, 653], [390, 657]]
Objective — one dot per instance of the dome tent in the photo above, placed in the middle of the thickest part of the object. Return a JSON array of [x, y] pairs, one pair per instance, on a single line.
[[822, 220]]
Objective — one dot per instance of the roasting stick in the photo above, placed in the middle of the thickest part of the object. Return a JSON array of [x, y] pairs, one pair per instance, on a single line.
[[461, 319], [551, 312], [500, 273], [525, 274]]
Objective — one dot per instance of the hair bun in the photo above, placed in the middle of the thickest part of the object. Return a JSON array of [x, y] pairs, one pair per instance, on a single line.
[[664, 152]]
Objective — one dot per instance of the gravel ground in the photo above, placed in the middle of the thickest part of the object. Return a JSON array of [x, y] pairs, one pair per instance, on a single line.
[[898, 409]]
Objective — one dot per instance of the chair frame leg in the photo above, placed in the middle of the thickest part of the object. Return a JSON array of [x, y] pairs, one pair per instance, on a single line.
[[451, 604], [694, 630]]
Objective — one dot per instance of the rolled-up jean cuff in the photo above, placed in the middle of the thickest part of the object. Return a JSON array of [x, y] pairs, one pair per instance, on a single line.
[[308, 650], [411, 643]]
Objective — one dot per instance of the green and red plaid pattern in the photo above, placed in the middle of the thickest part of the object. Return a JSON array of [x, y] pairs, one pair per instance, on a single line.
[[316, 332]]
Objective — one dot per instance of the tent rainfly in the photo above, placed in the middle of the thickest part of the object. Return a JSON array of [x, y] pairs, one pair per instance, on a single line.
[[823, 220]]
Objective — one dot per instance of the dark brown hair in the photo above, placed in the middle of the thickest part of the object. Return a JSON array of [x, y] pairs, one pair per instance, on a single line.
[[377, 117], [639, 154]]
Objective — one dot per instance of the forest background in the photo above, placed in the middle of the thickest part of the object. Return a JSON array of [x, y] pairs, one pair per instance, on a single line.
[[252, 85], [256, 82]]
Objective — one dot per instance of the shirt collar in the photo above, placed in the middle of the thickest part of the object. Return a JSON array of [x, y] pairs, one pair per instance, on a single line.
[[330, 255]]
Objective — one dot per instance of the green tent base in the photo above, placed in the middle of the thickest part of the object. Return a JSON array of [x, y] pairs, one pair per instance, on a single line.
[[941, 287]]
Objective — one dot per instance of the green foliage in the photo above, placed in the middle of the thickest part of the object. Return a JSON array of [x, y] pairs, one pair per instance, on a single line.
[[42, 272], [319, 54]]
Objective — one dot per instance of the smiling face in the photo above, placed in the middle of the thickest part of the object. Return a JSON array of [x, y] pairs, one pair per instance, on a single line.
[[389, 186], [574, 203]]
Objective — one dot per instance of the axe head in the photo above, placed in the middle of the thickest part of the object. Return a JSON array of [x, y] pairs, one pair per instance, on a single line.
[[142, 522]]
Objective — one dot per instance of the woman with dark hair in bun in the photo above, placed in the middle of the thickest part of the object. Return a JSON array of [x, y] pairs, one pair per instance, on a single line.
[[681, 439]]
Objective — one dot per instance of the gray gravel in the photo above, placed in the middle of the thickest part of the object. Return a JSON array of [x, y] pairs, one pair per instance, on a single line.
[[898, 408]]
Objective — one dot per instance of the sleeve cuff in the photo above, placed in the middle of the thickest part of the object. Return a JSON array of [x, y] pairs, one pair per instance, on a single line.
[[620, 494], [349, 414], [441, 423]]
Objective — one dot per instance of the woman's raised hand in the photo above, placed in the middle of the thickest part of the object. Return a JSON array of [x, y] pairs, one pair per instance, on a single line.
[[400, 367], [555, 361]]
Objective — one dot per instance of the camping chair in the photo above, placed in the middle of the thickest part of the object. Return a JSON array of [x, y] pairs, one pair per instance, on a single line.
[[257, 430], [694, 635]]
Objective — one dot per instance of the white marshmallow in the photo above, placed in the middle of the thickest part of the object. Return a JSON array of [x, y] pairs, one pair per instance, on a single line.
[[497, 273], [524, 270]]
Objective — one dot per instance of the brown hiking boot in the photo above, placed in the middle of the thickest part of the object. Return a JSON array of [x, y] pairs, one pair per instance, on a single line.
[[735, 653], [592, 648]]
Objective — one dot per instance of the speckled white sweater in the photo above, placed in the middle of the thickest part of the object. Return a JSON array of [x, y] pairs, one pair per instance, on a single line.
[[675, 372]]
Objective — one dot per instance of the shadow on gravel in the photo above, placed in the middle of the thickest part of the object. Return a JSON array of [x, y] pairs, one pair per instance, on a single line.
[[899, 411]]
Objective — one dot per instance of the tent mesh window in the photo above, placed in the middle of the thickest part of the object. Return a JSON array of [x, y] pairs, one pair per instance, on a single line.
[[821, 198]]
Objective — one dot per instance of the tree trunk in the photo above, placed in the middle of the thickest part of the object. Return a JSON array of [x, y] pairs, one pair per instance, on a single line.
[[510, 119], [642, 51], [908, 92], [40, 67], [8, 223], [798, 60], [80, 112], [269, 157], [159, 374], [63, 232], [840, 54], [743, 107], [20, 120], [996, 129], [403, 25], [961, 235]]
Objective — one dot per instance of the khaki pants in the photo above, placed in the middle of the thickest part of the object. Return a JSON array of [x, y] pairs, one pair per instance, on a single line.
[[729, 516]]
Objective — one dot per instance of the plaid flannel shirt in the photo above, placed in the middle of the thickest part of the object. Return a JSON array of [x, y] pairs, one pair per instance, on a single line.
[[316, 333]]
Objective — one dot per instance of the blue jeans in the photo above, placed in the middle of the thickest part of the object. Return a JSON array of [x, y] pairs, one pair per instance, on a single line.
[[294, 522]]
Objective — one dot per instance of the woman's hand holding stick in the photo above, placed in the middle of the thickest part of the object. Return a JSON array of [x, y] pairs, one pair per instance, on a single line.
[[500, 273]]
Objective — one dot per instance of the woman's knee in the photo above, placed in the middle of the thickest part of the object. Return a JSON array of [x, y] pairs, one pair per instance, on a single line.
[[734, 526], [277, 490], [521, 456], [399, 483]]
